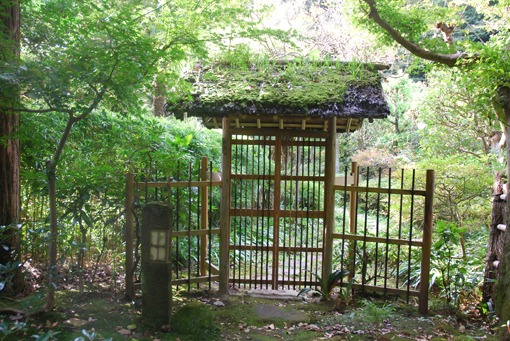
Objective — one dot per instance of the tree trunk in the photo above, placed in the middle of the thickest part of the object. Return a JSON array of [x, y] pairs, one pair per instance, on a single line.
[[52, 263], [158, 99], [502, 290], [9, 148], [495, 244]]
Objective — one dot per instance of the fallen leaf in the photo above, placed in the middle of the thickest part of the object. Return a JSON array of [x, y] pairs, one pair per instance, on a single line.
[[48, 323], [125, 332], [54, 324], [76, 322], [131, 326], [218, 304]]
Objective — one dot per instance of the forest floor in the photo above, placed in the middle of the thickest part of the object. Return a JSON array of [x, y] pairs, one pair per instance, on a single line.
[[105, 315], [102, 312]]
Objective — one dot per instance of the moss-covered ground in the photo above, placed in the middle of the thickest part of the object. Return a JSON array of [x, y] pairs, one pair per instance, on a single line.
[[111, 316]]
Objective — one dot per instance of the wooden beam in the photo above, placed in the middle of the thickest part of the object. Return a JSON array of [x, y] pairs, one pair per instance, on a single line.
[[272, 143], [280, 249], [325, 126], [226, 171], [178, 184], [276, 224], [204, 216], [352, 213], [377, 239], [303, 124], [381, 190], [348, 126], [278, 132], [237, 123], [215, 123], [283, 177], [253, 212], [258, 123], [329, 198], [428, 221], [200, 279], [187, 233], [214, 269], [281, 123]]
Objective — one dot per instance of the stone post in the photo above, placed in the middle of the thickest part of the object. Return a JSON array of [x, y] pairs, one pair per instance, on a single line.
[[156, 263]]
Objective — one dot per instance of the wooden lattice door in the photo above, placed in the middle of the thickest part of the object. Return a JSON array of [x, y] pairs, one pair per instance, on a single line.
[[277, 211]]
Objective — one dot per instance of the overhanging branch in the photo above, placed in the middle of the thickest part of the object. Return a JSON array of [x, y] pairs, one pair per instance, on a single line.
[[446, 59]]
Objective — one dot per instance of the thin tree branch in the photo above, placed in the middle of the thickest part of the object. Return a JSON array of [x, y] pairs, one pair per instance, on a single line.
[[36, 110], [446, 59]]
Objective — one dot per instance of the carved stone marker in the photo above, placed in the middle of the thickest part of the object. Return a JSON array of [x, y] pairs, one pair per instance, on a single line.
[[156, 265]]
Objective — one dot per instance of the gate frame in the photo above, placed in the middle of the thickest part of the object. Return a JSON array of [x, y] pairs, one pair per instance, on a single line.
[[329, 208]]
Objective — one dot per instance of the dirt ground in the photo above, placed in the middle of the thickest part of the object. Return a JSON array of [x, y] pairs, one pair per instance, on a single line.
[[103, 315]]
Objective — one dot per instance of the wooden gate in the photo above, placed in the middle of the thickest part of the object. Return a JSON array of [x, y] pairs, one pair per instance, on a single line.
[[277, 211]]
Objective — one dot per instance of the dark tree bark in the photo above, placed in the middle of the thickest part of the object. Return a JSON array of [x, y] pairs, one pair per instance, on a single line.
[[495, 244], [9, 144], [502, 291]]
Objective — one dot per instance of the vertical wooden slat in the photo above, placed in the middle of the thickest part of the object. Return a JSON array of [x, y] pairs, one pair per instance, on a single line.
[[130, 292], [329, 206], [204, 212], [352, 215], [226, 165], [427, 241], [276, 206]]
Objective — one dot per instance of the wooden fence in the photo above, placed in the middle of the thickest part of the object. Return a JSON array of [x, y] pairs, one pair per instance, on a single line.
[[381, 256], [190, 192], [382, 235]]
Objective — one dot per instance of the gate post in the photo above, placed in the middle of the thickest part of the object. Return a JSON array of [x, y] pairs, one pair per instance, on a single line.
[[130, 292], [204, 216], [226, 170], [352, 218], [427, 241], [329, 184]]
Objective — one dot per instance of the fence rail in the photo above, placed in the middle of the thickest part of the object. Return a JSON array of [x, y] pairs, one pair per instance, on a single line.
[[193, 205], [389, 251], [382, 234]]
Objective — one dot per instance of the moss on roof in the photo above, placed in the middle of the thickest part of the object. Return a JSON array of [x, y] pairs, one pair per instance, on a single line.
[[303, 88]]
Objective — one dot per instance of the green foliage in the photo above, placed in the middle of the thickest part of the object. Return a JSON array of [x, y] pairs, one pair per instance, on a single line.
[[457, 277], [327, 287], [456, 121], [377, 314], [345, 293], [7, 329], [92, 173], [461, 193]]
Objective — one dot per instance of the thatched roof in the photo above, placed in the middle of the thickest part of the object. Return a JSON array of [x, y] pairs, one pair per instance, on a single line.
[[284, 88]]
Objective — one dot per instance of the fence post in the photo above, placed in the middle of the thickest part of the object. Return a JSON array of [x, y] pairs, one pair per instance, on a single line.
[[130, 292], [204, 216], [427, 241], [327, 267], [352, 215], [226, 169]]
